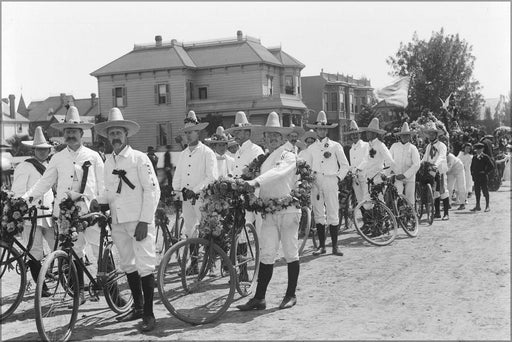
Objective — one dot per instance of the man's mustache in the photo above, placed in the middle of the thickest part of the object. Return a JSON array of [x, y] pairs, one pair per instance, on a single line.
[[69, 139], [117, 141], [293, 140]]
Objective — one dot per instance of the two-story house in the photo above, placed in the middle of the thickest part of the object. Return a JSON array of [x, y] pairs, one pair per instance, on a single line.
[[340, 97], [157, 84]]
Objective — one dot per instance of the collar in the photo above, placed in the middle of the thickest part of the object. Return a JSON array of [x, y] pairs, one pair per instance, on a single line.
[[124, 152], [77, 150], [246, 144], [324, 140]]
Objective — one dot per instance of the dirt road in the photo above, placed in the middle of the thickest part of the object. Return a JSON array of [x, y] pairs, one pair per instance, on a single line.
[[451, 282]]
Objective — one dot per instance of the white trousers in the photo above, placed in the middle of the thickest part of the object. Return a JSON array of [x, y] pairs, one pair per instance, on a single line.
[[256, 220], [410, 188], [191, 218], [457, 181], [324, 196], [89, 237], [277, 228], [41, 232], [135, 255]]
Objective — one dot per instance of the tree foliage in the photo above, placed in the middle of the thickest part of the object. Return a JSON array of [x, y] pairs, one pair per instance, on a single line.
[[440, 66]]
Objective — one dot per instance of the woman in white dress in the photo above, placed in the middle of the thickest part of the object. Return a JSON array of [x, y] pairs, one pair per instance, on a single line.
[[506, 160], [466, 157]]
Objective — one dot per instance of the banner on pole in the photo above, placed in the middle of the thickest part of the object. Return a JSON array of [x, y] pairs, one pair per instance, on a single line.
[[393, 95]]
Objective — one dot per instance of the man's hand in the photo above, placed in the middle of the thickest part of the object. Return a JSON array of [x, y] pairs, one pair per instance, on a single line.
[[400, 177], [432, 173], [253, 183], [141, 231], [74, 195], [94, 206]]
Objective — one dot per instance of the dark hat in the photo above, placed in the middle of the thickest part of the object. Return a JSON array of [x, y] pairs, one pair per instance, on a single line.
[[151, 149], [478, 145], [467, 144]]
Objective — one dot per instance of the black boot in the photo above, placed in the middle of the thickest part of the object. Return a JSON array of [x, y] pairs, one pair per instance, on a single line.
[[35, 268], [290, 299], [446, 207], [333, 230], [437, 208], [148, 287], [320, 230], [134, 282], [258, 302]]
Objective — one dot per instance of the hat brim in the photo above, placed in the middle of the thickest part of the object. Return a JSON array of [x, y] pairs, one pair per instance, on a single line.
[[131, 126], [308, 135], [264, 129], [299, 130], [353, 131], [334, 125], [198, 127], [240, 128], [213, 142], [404, 133], [63, 125], [374, 130], [31, 144]]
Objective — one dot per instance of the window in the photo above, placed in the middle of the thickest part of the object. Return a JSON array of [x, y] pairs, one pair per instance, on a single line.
[[190, 91], [20, 128], [288, 85], [119, 97], [351, 103], [270, 89], [163, 133], [326, 102], [334, 102], [162, 94], [203, 93]]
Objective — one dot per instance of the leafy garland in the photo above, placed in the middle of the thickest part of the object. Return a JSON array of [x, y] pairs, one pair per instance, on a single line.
[[253, 170], [70, 223], [13, 210]]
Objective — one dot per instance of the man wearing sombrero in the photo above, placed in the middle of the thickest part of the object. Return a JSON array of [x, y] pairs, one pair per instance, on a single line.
[[277, 179], [435, 153], [358, 151], [292, 138], [132, 193], [26, 174], [219, 143], [196, 168], [407, 163], [78, 173], [328, 161]]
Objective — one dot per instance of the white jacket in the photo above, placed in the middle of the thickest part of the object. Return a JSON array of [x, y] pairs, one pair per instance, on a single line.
[[358, 152], [225, 164], [438, 156], [195, 169], [382, 158], [131, 205], [244, 156], [334, 164], [406, 160], [25, 176], [65, 170]]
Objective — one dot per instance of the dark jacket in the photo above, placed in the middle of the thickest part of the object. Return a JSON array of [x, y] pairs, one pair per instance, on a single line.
[[481, 166], [167, 159]]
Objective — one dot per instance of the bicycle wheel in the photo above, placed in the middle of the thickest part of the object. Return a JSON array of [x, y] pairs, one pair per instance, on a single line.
[[13, 276], [407, 217], [429, 204], [184, 287], [162, 240], [304, 229], [247, 261], [176, 230], [346, 213], [115, 283], [375, 222], [56, 315], [418, 200]]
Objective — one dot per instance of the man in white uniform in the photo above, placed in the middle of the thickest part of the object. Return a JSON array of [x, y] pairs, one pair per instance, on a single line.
[[358, 151], [278, 177], [77, 171], [407, 163], [219, 143], [292, 138], [132, 193], [328, 161], [27, 173]]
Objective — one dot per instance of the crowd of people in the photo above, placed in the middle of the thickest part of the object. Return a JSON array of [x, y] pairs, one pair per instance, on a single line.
[[126, 182]]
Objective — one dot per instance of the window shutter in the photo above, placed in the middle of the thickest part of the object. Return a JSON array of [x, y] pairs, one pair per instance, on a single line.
[[156, 94], [114, 104], [168, 91], [125, 97]]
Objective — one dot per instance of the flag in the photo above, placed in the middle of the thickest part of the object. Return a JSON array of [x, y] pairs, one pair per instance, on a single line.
[[393, 95]]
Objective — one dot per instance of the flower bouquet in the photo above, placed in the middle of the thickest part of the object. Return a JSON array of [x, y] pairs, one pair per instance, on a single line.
[[161, 218], [70, 223], [13, 210], [253, 170]]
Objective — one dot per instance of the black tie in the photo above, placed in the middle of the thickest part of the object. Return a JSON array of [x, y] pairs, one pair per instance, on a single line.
[[122, 177]]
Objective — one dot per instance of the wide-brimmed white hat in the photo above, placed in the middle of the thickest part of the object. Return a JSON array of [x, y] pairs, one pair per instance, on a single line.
[[405, 130], [373, 127], [431, 127], [241, 123], [192, 124], [72, 120], [321, 122], [220, 137], [273, 125], [309, 134], [116, 119], [352, 128], [39, 140], [296, 129]]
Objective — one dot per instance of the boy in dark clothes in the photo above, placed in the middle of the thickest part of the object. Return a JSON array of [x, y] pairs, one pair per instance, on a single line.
[[481, 165]]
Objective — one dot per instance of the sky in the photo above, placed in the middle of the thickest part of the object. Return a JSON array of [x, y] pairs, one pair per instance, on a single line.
[[50, 48]]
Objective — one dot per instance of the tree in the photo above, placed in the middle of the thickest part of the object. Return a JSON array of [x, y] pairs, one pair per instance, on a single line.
[[441, 66], [215, 121], [488, 115]]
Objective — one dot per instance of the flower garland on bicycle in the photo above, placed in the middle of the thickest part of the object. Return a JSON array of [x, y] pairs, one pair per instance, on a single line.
[[13, 210]]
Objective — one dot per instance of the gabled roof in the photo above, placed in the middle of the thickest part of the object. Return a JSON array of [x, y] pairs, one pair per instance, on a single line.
[[285, 58], [22, 108], [6, 114], [43, 110]]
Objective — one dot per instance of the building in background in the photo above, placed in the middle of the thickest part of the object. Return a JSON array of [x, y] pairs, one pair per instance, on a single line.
[[340, 97], [158, 83], [12, 123]]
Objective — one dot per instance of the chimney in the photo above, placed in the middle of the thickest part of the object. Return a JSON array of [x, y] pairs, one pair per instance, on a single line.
[[62, 99], [158, 40], [93, 99], [12, 111], [239, 35]]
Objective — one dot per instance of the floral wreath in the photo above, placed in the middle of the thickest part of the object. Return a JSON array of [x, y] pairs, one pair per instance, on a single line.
[[13, 210], [70, 223]]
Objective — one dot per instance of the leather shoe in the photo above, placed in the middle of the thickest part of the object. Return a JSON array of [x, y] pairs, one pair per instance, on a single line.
[[461, 207], [288, 302], [319, 251], [148, 323], [335, 251], [253, 304], [476, 209], [487, 209], [445, 218], [132, 315]]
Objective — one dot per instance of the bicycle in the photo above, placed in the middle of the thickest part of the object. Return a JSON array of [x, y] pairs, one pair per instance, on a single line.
[[347, 200], [13, 264], [373, 220], [189, 284], [424, 195], [165, 238], [401, 207], [56, 315]]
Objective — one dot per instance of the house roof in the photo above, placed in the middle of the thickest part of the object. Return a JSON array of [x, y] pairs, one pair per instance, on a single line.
[[6, 114], [53, 105], [196, 55]]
